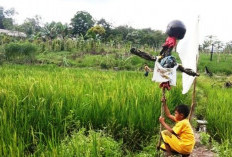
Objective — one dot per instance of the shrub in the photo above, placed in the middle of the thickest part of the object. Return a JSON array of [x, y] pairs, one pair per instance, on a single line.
[[13, 50], [69, 45], [204, 138], [28, 49], [57, 45], [95, 144]]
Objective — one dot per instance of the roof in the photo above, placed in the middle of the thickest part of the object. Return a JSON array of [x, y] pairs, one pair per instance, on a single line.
[[13, 33]]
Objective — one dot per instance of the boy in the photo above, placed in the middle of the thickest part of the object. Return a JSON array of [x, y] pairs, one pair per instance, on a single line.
[[180, 138], [147, 70]]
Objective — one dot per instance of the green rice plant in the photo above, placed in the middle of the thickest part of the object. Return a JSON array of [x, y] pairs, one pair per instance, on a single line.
[[219, 64], [41, 105], [217, 102], [222, 149]]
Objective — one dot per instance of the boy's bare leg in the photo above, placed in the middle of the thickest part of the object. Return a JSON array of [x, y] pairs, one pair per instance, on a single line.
[[168, 150]]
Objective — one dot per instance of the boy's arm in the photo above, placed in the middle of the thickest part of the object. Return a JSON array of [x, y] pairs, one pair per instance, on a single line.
[[166, 110], [161, 119]]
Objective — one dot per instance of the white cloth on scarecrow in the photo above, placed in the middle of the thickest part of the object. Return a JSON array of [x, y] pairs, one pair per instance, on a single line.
[[161, 74]]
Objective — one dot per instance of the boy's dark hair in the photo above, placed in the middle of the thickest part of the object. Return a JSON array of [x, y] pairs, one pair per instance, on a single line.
[[182, 109]]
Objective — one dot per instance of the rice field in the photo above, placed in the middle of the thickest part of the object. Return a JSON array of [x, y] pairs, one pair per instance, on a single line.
[[44, 108]]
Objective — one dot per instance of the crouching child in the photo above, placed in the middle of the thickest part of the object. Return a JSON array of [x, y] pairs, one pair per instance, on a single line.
[[179, 139]]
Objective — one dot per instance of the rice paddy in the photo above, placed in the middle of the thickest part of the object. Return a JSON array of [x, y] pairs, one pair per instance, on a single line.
[[43, 108]]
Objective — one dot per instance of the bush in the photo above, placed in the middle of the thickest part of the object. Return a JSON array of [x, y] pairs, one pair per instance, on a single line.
[[13, 50], [57, 45], [95, 144], [204, 138], [28, 49], [69, 45]]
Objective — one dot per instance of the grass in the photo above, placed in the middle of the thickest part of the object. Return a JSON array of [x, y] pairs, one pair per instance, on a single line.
[[215, 105], [221, 63], [126, 61], [41, 105], [218, 106]]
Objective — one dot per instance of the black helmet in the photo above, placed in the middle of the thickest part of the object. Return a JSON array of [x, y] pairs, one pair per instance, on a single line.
[[176, 29]]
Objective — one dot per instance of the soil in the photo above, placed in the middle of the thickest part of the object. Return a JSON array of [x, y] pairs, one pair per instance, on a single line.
[[200, 150]]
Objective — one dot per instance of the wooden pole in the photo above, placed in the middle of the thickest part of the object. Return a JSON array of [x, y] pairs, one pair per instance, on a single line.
[[193, 99], [193, 95], [162, 114]]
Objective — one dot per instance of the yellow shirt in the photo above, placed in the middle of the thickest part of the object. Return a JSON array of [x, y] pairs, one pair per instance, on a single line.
[[184, 131], [183, 141]]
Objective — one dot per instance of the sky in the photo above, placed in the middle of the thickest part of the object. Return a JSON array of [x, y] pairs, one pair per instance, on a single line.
[[215, 15]]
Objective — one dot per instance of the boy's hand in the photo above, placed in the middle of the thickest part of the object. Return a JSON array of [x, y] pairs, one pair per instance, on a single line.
[[163, 99], [161, 119]]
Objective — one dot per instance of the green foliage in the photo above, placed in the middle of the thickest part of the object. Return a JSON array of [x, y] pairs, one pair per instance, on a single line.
[[55, 29], [57, 45], [5, 39], [69, 45], [220, 63], [31, 26], [222, 149], [95, 32], [204, 138], [13, 50], [121, 103], [81, 23], [217, 110], [92, 144], [6, 20], [149, 150]]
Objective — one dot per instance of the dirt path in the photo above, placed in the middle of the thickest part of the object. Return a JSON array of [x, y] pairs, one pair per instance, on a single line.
[[200, 150]]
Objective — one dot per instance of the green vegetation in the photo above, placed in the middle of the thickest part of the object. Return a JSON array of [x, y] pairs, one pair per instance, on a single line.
[[94, 144], [80, 92], [40, 106], [221, 63]]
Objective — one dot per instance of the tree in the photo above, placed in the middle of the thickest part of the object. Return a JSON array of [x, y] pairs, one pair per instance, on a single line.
[[228, 47], [6, 20], [49, 30], [53, 30], [31, 26], [61, 30], [208, 42], [102, 22], [96, 31], [81, 23], [218, 45], [120, 33], [146, 36], [107, 26]]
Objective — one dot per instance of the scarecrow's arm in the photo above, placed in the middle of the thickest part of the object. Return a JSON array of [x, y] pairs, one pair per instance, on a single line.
[[187, 71], [143, 55]]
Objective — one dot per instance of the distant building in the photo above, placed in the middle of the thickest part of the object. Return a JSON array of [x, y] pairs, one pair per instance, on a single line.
[[13, 33]]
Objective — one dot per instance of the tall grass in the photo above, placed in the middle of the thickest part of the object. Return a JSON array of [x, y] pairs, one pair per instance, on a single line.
[[218, 107], [221, 63], [40, 106], [215, 105]]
